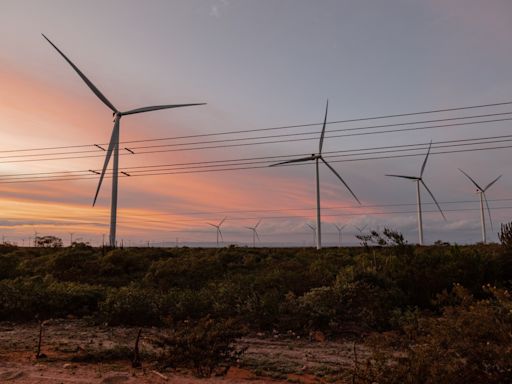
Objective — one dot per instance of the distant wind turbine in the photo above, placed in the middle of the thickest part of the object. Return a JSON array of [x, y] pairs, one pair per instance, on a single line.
[[361, 229], [481, 191], [419, 180], [254, 233], [317, 157], [113, 146], [339, 229], [313, 228], [217, 226]]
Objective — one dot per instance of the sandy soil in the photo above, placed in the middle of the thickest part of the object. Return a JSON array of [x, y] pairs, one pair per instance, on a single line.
[[269, 358]]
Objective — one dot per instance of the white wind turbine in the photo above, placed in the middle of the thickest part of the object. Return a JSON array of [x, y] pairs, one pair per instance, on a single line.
[[255, 233], [317, 157], [339, 229], [361, 229], [313, 228], [481, 191], [114, 140], [217, 226], [419, 180]]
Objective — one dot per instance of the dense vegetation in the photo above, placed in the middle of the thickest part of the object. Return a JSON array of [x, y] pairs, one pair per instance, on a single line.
[[333, 290], [428, 297]]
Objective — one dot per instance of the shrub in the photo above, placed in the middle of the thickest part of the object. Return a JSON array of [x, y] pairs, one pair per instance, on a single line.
[[26, 298], [469, 343], [185, 304], [505, 235], [48, 242], [131, 305], [204, 345], [8, 266]]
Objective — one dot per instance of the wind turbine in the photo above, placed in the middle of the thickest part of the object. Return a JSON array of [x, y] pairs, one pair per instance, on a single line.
[[361, 229], [419, 180], [339, 232], [218, 229], [113, 146], [313, 228], [317, 157], [481, 191], [255, 233]]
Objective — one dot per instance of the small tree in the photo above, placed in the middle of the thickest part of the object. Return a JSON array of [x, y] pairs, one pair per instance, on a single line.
[[48, 241]]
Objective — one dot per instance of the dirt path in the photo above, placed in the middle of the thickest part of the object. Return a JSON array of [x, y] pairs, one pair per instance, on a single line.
[[78, 352]]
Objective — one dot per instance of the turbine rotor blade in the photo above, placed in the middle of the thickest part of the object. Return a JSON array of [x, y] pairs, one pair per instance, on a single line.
[[113, 141], [257, 236], [258, 223], [220, 233], [343, 226], [337, 227], [91, 86], [433, 198], [491, 183], [322, 135], [341, 179], [488, 210], [157, 107], [406, 177], [471, 179], [222, 220], [310, 226], [213, 225], [425, 161], [299, 160]]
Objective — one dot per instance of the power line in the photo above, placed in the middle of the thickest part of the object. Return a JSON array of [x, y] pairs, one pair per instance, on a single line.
[[283, 127], [472, 141], [258, 143], [243, 166], [282, 217], [255, 211], [325, 215]]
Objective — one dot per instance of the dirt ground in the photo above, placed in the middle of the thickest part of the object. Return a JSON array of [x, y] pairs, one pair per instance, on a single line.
[[78, 352]]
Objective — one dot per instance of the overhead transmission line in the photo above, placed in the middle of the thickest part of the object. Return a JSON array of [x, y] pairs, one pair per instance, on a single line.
[[282, 217], [125, 220], [497, 104], [257, 162], [359, 207], [314, 136]]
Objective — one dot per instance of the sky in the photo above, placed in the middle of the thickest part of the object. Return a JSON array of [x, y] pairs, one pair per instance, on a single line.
[[257, 64]]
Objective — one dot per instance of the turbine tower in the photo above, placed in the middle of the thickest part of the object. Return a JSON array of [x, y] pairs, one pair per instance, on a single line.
[[317, 157], [481, 191], [255, 233], [419, 180], [339, 229], [217, 226], [113, 146], [313, 228]]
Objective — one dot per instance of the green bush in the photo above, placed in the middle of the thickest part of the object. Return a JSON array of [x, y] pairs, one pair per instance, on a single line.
[[185, 304], [131, 305], [203, 345], [25, 298], [469, 343]]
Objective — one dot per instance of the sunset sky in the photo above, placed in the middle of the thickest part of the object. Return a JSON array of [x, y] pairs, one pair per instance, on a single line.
[[258, 64]]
